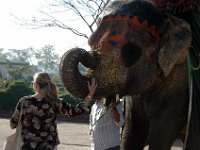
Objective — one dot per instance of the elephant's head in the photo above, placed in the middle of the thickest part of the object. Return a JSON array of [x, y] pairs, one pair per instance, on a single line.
[[133, 45]]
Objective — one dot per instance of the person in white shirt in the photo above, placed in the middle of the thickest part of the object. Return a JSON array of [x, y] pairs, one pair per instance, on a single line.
[[105, 124]]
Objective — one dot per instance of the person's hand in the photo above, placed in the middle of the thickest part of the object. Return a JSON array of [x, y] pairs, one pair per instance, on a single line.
[[92, 88], [116, 102]]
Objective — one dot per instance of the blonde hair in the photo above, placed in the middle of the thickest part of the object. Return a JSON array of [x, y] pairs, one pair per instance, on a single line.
[[44, 81]]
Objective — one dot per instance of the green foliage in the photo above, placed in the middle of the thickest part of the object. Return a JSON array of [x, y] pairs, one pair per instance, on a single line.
[[14, 90], [72, 100], [2, 83], [12, 93], [69, 99], [60, 87]]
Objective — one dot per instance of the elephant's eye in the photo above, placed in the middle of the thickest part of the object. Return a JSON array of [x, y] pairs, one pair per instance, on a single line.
[[130, 54]]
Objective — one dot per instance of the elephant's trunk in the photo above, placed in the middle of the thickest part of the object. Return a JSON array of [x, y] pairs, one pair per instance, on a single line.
[[74, 82]]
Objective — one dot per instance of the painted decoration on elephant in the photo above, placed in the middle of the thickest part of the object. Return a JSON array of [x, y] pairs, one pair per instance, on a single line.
[[114, 31]]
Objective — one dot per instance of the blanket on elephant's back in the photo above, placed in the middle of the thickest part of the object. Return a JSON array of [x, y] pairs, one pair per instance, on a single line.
[[189, 10], [193, 56], [193, 137], [176, 5]]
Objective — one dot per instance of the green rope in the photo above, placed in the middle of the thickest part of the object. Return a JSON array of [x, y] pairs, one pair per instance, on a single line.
[[193, 60]]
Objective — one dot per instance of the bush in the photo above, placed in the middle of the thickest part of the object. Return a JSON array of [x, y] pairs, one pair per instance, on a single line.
[[69, 99], [72, 100], [12, 93], [14, 90]]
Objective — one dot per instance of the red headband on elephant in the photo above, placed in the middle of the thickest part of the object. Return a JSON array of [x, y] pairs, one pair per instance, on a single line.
[[136, 20], [114, 29]]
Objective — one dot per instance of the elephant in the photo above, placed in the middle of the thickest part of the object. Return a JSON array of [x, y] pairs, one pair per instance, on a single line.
[[138, 51]]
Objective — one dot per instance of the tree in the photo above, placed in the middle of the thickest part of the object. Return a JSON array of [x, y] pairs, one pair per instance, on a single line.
[[1, 53], [29, 55], [3, 56], [57, 13], [18, 63], [47, 59], [15, 55], [28, 61]]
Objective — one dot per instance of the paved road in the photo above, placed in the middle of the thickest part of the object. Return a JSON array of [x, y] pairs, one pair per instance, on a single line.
[[73, 136]]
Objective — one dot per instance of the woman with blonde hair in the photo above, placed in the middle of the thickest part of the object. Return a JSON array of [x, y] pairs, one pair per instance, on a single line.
[[39, 113]]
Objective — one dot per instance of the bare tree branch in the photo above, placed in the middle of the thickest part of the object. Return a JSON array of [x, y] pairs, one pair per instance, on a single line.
[[58, 13]]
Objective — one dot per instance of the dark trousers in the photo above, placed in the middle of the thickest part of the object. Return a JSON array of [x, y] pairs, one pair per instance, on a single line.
[[114, 148]]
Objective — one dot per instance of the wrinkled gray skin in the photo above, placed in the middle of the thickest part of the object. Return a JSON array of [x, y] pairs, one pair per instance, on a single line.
[[153, 72]]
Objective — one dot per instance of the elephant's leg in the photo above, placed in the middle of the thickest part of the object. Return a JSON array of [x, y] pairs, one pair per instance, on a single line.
[[135, 131], [166, 124]]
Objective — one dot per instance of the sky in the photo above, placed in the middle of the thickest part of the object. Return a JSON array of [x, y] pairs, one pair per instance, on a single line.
[[14, 36]]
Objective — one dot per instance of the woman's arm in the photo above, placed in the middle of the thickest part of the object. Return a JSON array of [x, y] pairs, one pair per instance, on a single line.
[[15, 116], [81, 107]]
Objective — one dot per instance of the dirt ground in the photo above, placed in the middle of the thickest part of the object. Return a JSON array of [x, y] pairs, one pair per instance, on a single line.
[[73, 136]]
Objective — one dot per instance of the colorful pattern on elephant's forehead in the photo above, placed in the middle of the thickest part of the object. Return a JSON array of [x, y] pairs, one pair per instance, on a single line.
[[174, 3], [114, 31]]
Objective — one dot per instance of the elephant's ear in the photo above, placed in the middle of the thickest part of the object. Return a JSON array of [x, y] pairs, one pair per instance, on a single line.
[[175, 40]]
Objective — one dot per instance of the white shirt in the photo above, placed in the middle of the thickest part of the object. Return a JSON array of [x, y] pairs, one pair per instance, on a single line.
[[105, 133]]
